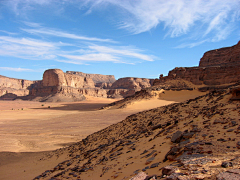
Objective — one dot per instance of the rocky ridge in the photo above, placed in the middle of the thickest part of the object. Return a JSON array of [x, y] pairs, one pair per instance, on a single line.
[[216, 67], [97, 78], [72, 86], [195, 139]]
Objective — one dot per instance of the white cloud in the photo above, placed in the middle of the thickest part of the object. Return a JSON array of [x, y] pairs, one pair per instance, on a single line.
[[33, 49], [191, 45], [90, 57], [178, 17], [213, 19], [62, 34], [16, 69], [122, 51]]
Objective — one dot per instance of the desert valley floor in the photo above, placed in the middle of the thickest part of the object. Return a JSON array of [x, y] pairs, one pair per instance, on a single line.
[[30, 129]]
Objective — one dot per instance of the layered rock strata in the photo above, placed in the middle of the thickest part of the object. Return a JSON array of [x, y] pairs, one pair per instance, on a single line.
[[222, 57], [97, 78], [17, 87], [216, 67], [72, 86]]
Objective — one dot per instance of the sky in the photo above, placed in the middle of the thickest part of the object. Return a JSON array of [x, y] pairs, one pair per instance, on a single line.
[[125, 38]]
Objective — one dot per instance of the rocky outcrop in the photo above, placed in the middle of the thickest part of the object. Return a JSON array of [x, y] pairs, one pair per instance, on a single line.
[[97, 78], [131, 83], [13, 83], [214, 75], [222, 57], [72, 86], [217, 67], [56, 77], [15, 87]]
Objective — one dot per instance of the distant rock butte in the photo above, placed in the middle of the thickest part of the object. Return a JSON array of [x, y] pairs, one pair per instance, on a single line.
[[97, 78], [132, 83], [216, 67], [72, 86], [56, 77]]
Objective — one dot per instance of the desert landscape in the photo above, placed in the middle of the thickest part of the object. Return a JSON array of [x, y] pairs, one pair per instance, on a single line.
[[68, 126]]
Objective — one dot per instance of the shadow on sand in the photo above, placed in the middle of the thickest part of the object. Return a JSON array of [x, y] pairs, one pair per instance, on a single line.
[[75, 107]]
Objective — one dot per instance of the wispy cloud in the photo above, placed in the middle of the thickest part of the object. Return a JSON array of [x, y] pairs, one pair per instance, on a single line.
[[27, 48], [35, 49], [206, 19], [17, 69], [123, 51], [179, 17], [58, 33], [191, 45]]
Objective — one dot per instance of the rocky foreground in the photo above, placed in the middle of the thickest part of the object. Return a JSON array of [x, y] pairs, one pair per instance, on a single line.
[[195, 139]]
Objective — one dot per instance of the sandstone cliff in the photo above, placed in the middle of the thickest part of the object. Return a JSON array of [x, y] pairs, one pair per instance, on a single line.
[[18, 87], [216, 67], [97, 78], [56, 77], [131, 83], [59, 86], [222, 57]]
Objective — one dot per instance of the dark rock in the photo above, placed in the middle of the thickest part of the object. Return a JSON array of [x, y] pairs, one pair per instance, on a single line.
[[168, 170], [230, 130], [148, 161], [177, 137], [154, 165], [184, 142], [234, 123], [172, 152], [144, 169], [188, 135], [221, 139], [208, 143], [226, 164], [157, 127]]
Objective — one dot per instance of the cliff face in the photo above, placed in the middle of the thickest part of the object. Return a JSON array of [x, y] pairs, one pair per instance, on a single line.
[[15, 83], [72, 86], [216, 67], [19, 87], [229, 56], [56, 77], [131, 83], [97, 78]]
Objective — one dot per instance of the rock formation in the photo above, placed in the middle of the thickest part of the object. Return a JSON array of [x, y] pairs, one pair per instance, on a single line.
[[216, 67], [228, 56], [71, 86], [97, 78], [131, 83], [11, 86], [56, 77]]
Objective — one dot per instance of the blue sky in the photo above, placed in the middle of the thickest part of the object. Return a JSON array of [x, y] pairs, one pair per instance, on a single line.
[[125, 38]]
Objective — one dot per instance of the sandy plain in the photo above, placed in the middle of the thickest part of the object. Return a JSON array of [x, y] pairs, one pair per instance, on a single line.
[[28, 130]]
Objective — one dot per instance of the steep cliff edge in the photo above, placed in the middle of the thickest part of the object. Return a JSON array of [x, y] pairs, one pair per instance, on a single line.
[[97, 78], [19, 87], [71, 86], [216, 67], [228, 56], [131, 83]]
